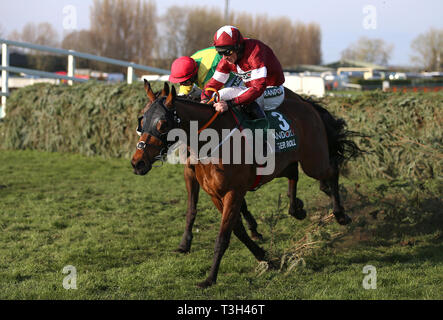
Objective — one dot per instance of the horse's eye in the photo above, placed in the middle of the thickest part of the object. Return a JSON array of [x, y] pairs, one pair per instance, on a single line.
[[162, 126]]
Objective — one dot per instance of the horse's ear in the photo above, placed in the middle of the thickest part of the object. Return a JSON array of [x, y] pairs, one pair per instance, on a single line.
[[165, 90], [171, 97], [149, 91]]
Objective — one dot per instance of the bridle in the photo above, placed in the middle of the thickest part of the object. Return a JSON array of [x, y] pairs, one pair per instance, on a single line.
[[157, 112]]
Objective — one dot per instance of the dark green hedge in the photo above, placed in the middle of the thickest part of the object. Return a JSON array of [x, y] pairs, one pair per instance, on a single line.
[[100, 119], [91, 118], [405, 129]]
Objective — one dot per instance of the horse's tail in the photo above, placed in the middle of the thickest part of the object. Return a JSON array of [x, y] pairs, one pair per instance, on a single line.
[[341, 147]]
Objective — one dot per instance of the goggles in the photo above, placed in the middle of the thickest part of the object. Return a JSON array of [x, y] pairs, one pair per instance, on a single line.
[[225, 52], [186, 83]]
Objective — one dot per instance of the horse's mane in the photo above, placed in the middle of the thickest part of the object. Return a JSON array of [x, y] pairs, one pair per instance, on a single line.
[[194, 102], [189, 99]]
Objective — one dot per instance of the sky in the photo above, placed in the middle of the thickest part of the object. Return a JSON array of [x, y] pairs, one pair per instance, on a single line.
[[342, 22]]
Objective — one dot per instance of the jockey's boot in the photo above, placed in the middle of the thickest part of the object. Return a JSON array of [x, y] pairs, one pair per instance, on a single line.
[[254, 111]]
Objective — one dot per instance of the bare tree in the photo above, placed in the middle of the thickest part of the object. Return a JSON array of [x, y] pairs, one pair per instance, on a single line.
[[246, 23], [428, 49], [79, 41], [42, 33], [171, 43], [15, 35], [292, 43], [187, 30], [199, 29], [369, 50], [145, 32], [128, 30], [124, 29], [313, 44]]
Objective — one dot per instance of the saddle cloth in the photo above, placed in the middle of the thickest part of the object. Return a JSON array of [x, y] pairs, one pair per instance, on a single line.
[[285, 137]]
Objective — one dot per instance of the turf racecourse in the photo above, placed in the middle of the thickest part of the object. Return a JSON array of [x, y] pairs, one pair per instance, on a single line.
[[120, 230]]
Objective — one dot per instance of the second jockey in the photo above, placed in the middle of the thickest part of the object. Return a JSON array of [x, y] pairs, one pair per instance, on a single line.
[[194, 72], [256, 64]]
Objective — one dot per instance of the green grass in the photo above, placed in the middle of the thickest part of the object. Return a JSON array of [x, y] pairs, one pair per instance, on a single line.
[[120, 230]]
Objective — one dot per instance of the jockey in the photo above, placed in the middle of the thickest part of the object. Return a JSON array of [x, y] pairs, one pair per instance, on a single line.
[[256, 64], [194, 72]]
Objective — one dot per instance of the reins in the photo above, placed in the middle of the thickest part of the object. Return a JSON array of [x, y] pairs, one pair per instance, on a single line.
[[216, 94], [142, 144]]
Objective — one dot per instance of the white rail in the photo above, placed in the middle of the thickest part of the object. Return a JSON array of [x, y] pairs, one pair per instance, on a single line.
[[6, 68]]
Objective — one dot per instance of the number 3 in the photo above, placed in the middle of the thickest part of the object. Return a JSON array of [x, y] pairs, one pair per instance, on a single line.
[[284, 126]]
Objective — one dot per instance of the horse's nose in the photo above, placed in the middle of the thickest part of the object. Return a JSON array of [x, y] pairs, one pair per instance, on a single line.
[[141, 168], [140, 165]]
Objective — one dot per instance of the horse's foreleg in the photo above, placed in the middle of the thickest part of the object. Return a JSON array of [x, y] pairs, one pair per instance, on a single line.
[[252, 224], [331, 188], [230, 215], [193, 189], [295, 204]]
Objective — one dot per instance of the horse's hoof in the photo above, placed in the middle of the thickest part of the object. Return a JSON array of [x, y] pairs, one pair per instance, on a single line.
[[299, 204], [182, 250], [298, 214], [205, 284], [343, 219]]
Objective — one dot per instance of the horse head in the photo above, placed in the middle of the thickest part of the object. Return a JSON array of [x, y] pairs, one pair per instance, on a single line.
[[157, 120]]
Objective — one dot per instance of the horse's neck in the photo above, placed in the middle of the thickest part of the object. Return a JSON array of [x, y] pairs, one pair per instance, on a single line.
[[192, 111]]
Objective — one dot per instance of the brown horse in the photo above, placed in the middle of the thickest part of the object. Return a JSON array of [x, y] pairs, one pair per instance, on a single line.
[[193, 189], [323, 146]]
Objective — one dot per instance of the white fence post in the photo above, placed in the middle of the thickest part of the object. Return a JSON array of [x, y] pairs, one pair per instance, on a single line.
[[71, 68], [5, 76], [70, 77], [130, 74]]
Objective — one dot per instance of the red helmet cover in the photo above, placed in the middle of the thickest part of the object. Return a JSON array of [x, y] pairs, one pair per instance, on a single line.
[[182, 69], [227, 36]]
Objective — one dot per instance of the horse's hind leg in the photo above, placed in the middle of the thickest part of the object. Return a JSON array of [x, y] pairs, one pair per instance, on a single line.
[[295, 204], [242, 235], [252, 224], [193, 188], [331, 188]]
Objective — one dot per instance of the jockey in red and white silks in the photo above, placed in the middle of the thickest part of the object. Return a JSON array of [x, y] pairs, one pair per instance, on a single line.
[[255, 63]]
